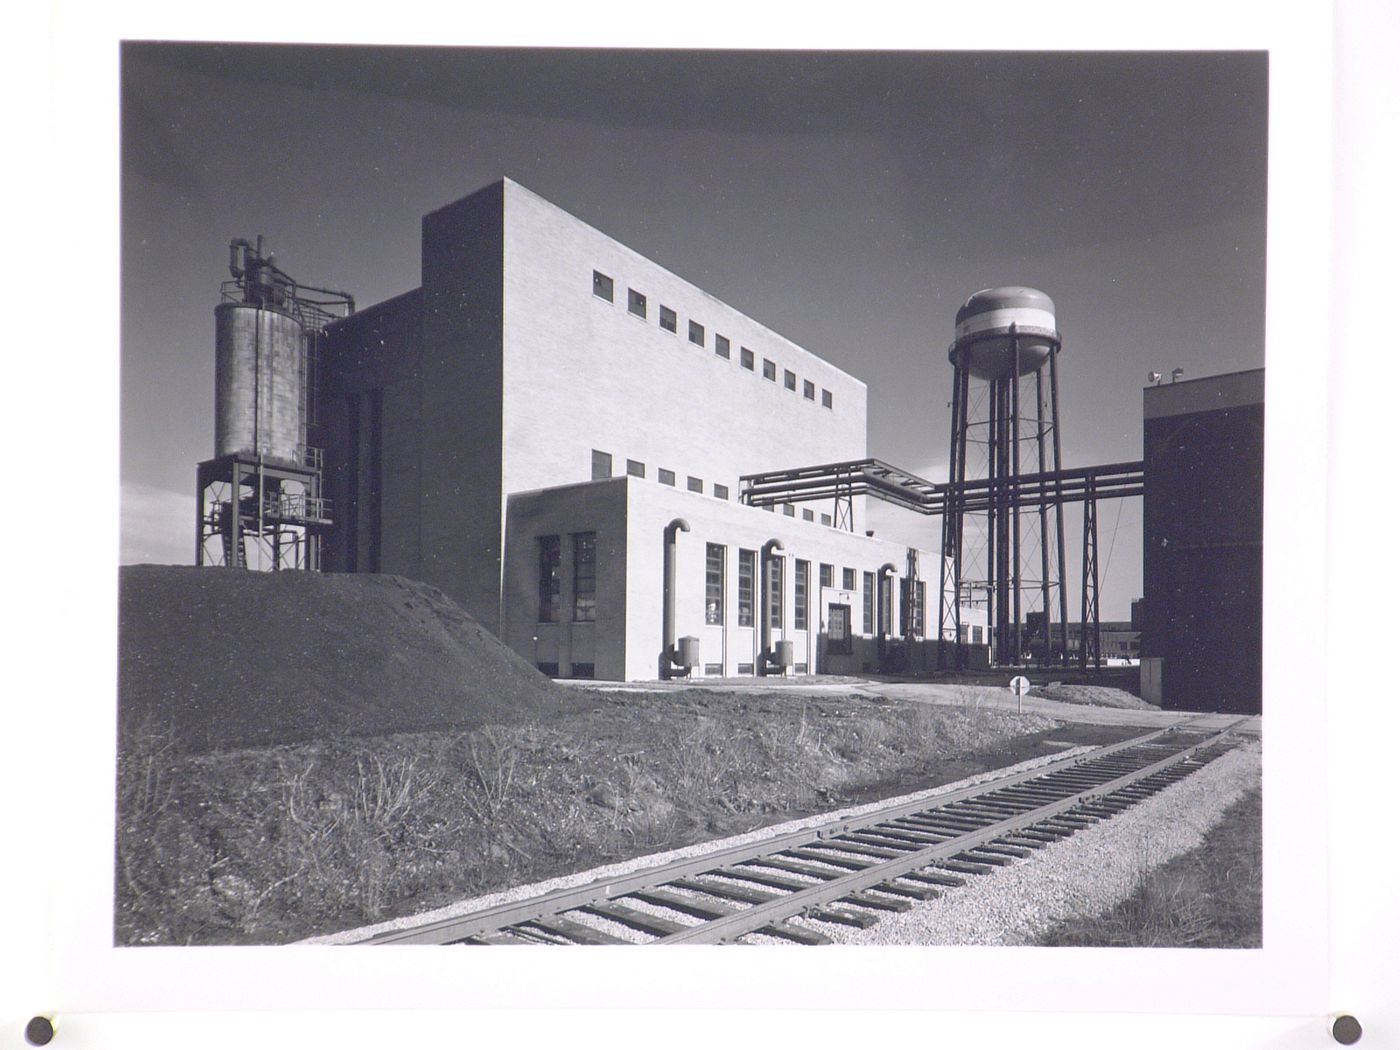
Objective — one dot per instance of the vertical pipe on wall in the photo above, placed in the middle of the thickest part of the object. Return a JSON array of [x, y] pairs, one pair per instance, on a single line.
[[668, 594], [765, 656], [1015, 510], [1044, 537]]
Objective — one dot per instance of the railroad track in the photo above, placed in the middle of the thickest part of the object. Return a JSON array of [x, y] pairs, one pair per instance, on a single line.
[[847, 871]]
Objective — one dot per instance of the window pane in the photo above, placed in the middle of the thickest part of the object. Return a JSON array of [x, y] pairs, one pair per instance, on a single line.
[[714, 584], [668, 319], [826, 399], [602, 286], [809, 390], [770, 370], [697, 333], [695, 485], [789, 510], [549, 580], [602, 465], [869, 602], [746, 357], [721, 491], [747, 561], [800, 573], [636, 302], [721, 346], [789, 379], [775, 591], [585, 575], [848, 579], [828, 574], [637, 470], [666, 477]]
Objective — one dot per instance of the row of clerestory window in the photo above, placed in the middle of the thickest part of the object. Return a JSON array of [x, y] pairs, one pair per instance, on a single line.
[[637, 306]]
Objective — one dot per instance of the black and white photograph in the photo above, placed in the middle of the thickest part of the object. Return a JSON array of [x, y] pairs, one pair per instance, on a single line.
[[855, 502]]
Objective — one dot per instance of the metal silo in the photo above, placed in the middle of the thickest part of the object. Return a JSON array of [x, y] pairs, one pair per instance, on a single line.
[[259, 498], [259, 382]]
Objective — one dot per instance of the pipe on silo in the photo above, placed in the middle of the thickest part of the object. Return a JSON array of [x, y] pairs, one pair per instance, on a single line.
[[765, 655], [668, 595]]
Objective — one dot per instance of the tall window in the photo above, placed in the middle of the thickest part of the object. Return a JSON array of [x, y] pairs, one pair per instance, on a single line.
[[636, 302], [800, 573], [668, 319], [714, 584], [868, 602], [549, 579], [602, 465], [696, 333], [848, 579], [828, 575], [770, 370], [721, 346], [912, 592], [746, 357], [747, 561], [585, 575], [789, 379], [775, 591], [809, 390], [826, 399], [602, 286]]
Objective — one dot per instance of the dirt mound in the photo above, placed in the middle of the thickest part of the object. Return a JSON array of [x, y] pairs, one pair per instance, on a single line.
[[227, 658], [1094, 695]]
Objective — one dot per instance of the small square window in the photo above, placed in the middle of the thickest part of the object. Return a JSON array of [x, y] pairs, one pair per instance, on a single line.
[[809, 390], [826, 399], [746, 357], [789, 510], [602, 286], [721, 491], [637, 470], [666, 477], [789, 379], [826, 519], [770, 370], [695, 485], [721, 346], [668, 319], [602, 465], [636, 302], [807, 515], [697, 333]]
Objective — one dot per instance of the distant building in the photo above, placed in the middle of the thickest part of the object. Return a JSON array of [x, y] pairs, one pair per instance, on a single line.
[[1203, 527], [552, 417]]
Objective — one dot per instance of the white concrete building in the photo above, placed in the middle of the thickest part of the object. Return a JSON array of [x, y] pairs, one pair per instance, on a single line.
[[522, 429]]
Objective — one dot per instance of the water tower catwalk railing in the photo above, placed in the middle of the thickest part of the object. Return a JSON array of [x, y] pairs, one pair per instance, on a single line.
[[259, 502]]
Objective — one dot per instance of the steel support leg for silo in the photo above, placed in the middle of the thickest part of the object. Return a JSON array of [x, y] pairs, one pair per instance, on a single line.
[[1015, 509]]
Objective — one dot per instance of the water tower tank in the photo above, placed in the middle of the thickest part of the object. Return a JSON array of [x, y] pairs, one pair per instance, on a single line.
[[987, 322], [259, 388]]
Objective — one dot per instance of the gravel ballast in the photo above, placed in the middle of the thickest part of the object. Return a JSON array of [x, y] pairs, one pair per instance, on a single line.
[[1083, 875]]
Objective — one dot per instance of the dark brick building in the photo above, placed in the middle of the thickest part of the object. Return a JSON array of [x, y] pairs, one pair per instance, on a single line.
[[1203, 530]]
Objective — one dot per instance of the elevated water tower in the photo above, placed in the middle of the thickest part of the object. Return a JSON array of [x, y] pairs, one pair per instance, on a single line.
[[1002, 545], [258, 501]]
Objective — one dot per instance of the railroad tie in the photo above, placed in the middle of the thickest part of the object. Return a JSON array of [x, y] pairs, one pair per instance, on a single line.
[[575, 932]]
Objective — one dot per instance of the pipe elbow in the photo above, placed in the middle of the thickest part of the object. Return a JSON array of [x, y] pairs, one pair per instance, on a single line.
[[676, 525]]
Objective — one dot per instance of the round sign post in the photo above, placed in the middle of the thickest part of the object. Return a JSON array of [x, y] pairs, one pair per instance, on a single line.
[[1020, 685]]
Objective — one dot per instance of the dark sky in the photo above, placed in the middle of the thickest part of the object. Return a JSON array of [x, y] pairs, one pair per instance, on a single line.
[[848, 200]]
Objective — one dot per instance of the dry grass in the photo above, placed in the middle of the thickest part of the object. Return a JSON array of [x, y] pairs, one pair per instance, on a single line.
[[1211, 897], [269, 844]]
